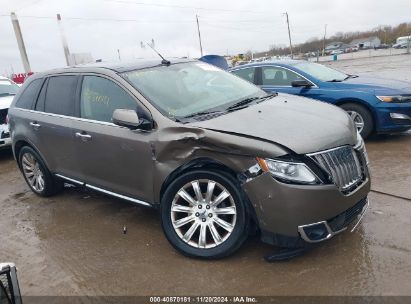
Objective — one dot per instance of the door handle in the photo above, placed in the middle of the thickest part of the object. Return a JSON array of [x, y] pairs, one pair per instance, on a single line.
[[83, 136], [35, 125]]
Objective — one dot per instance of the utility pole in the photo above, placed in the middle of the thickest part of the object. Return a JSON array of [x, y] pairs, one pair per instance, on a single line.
[[325, 34], [199, 36], [63, 40], [289, 35], [119, 57], [20, 42]]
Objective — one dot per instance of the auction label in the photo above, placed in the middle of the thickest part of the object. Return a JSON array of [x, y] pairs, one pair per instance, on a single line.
[[205, 299]]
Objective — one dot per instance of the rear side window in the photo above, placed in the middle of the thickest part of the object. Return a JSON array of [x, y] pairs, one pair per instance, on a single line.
[[29, 95], [247, 74], [60, 95]]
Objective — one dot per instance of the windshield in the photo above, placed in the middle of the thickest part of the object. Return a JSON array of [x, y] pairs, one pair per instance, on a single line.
[[8, 88], [321, 72], [183, 89]]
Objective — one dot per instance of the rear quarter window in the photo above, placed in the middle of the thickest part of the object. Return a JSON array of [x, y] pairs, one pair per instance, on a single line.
[[29, 95]]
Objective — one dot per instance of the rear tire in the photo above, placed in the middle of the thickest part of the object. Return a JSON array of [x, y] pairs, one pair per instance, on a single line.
[[362, 118], [222, 219], [36, 174]]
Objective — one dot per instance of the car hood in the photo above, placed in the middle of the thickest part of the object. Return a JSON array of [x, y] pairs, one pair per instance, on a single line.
[[5, 102], [376, 85], [300, 124]]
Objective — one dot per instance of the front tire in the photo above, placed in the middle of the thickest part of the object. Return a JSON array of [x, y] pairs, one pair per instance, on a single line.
[[36, 174], [204, 215], [362, 118]]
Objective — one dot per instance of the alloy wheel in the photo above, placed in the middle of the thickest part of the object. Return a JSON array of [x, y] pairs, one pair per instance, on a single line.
[[203, 213], [32, 171], [357, 119]]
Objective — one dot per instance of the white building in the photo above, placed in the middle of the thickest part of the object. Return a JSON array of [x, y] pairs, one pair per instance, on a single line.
[[366, 43]]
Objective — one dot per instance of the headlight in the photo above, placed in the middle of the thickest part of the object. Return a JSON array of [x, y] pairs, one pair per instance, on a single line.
[[289, 171], [395, 99]]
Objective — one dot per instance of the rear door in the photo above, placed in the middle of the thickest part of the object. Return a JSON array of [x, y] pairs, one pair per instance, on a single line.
[[51, 123], [111, 157]]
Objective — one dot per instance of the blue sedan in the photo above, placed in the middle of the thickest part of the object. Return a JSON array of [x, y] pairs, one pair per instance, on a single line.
[[376, 105]]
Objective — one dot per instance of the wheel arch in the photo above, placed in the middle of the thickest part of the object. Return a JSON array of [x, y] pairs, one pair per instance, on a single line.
[[211, 164], [359, 102], [198, 163], [19, 144]]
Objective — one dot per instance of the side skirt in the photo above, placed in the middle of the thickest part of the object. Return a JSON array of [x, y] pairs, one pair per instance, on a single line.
[[124, 197]]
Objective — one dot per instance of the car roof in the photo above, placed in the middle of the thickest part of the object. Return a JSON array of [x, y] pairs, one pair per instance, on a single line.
[[118, 67], [280, 62]]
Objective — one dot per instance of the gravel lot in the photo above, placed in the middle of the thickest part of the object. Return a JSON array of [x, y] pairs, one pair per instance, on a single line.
[[73, 243]]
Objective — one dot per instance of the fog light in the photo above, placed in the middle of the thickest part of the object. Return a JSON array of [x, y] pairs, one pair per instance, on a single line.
[[316, 232], [399, 116]]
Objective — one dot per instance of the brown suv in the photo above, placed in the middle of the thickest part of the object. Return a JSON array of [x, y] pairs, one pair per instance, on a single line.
[[215, 153]]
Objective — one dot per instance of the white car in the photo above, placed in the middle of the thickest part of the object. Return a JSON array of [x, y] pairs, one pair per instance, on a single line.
[[337, 52], [7, 91]]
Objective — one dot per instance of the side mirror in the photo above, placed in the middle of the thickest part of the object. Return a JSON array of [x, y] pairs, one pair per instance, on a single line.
[[301, 83], [129, 119]]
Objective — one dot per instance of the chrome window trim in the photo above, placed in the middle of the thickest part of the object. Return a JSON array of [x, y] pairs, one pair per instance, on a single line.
[[70, 117], [134, 200]]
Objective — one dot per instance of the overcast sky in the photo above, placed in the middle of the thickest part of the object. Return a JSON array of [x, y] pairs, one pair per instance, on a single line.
[[103, 26]]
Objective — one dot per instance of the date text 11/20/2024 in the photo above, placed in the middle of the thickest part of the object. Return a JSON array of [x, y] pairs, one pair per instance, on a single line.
[[205, 299]]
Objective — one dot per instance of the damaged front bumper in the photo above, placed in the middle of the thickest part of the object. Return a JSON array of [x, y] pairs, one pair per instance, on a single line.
[[5, 139], [292, 215], [324, 230]]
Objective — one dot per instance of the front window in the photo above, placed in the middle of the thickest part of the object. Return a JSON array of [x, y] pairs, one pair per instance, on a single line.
[[183, 89], [276, 76], [321, 72], [100, 97], [8, 88]]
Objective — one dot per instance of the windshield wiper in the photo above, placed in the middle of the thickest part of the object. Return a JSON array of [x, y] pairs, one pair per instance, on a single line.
[[350, 76], [242, 103], [249, 100], [7, 94], [202, 113]]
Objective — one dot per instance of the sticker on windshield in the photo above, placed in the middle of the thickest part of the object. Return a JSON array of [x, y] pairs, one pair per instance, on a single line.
[[207, 67]]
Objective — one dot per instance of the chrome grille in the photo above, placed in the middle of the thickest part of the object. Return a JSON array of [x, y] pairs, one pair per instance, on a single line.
[[343, 166]]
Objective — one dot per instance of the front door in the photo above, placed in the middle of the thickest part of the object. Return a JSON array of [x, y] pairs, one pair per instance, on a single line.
[[111, 157], [279, 79]]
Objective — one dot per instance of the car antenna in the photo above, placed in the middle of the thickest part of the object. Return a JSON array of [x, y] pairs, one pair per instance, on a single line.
[[163, 61]]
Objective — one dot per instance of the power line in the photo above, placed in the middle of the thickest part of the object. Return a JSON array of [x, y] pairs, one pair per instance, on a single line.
[[185, 7], [104, 19]]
